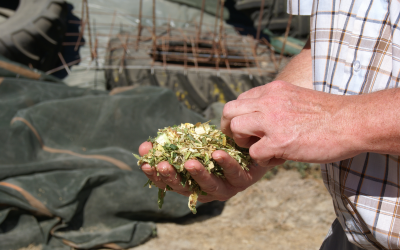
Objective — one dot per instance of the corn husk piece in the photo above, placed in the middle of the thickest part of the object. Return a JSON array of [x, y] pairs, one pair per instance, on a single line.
[[179, 144]]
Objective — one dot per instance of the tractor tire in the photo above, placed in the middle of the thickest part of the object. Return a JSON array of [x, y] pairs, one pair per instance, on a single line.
[[32, 35]]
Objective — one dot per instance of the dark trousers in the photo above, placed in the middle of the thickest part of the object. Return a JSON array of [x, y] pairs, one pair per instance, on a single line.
[[338, 240]]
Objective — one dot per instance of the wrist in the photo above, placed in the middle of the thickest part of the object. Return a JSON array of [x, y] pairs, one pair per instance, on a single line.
[[346, 126], [373, 122]]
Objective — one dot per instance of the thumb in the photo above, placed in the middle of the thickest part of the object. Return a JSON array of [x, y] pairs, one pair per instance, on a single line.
[[260, 152]]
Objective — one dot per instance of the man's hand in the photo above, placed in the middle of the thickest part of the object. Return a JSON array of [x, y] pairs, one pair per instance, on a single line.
[[280, 121], [216, 188]]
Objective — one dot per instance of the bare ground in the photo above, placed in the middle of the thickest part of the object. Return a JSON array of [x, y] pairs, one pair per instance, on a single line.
[[286, 212]]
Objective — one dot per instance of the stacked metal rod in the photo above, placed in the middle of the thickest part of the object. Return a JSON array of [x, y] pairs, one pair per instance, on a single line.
[[203, 46]]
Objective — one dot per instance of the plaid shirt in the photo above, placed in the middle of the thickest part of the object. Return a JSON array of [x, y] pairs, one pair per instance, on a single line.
[[356, 50]]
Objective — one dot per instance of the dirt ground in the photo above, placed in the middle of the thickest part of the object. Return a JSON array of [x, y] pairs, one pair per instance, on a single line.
[[286, 212]]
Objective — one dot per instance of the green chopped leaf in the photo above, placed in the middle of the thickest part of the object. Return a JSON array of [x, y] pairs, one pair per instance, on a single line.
[[161, 195], [187, 155], [196, 155], [148, 183], [136, 156], [183, 180], [191, 138]]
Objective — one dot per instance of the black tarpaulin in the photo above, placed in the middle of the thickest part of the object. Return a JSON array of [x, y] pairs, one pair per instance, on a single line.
[[67, 174]]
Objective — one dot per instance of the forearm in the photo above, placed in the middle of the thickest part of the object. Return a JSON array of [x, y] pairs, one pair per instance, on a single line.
[[373, 120], [299, 70]]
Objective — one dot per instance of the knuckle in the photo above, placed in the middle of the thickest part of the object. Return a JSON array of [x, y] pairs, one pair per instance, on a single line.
[[227, 109], [236, 124], [234, 177], [277, 84], [245, 94], [211, 189]]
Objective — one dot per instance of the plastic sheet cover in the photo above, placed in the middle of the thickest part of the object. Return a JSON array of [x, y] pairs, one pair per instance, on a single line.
[[67, 174]]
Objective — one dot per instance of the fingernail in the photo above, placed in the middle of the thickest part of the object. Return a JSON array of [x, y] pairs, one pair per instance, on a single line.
[[163, 171], [147, 170], [220, 160], [192, 170]]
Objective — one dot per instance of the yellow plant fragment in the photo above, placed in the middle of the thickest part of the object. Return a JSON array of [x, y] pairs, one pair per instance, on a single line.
[[192, 202], [200, 130]]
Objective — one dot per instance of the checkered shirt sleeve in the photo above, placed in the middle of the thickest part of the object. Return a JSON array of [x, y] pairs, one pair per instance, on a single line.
[[356, 50]]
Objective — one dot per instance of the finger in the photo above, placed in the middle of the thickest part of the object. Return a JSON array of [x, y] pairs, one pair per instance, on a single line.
[[234, 173], [151, 173], [170, 177], [209, 183], [256, 171], [268, 164], [236, 108], [247, 128], [145, 147], [245, 142], [261, 153], [275, 162]]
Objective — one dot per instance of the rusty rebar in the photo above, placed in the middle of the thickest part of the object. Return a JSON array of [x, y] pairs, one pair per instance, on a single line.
[[260, 20], [139, 25], [255, 58], [96, 42], [164, 50], [194, 52], [112, 24], [221, 53], [222, 38], [64, 63], [125, 48], [82, 23], [201, 20], [286, 36], [89, 29], [272, 51], [154, 38], [215, 25], [221, 22]]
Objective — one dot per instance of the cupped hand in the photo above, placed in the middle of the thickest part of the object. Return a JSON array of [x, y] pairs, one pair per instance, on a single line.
[[236, 179], [280, 121]]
